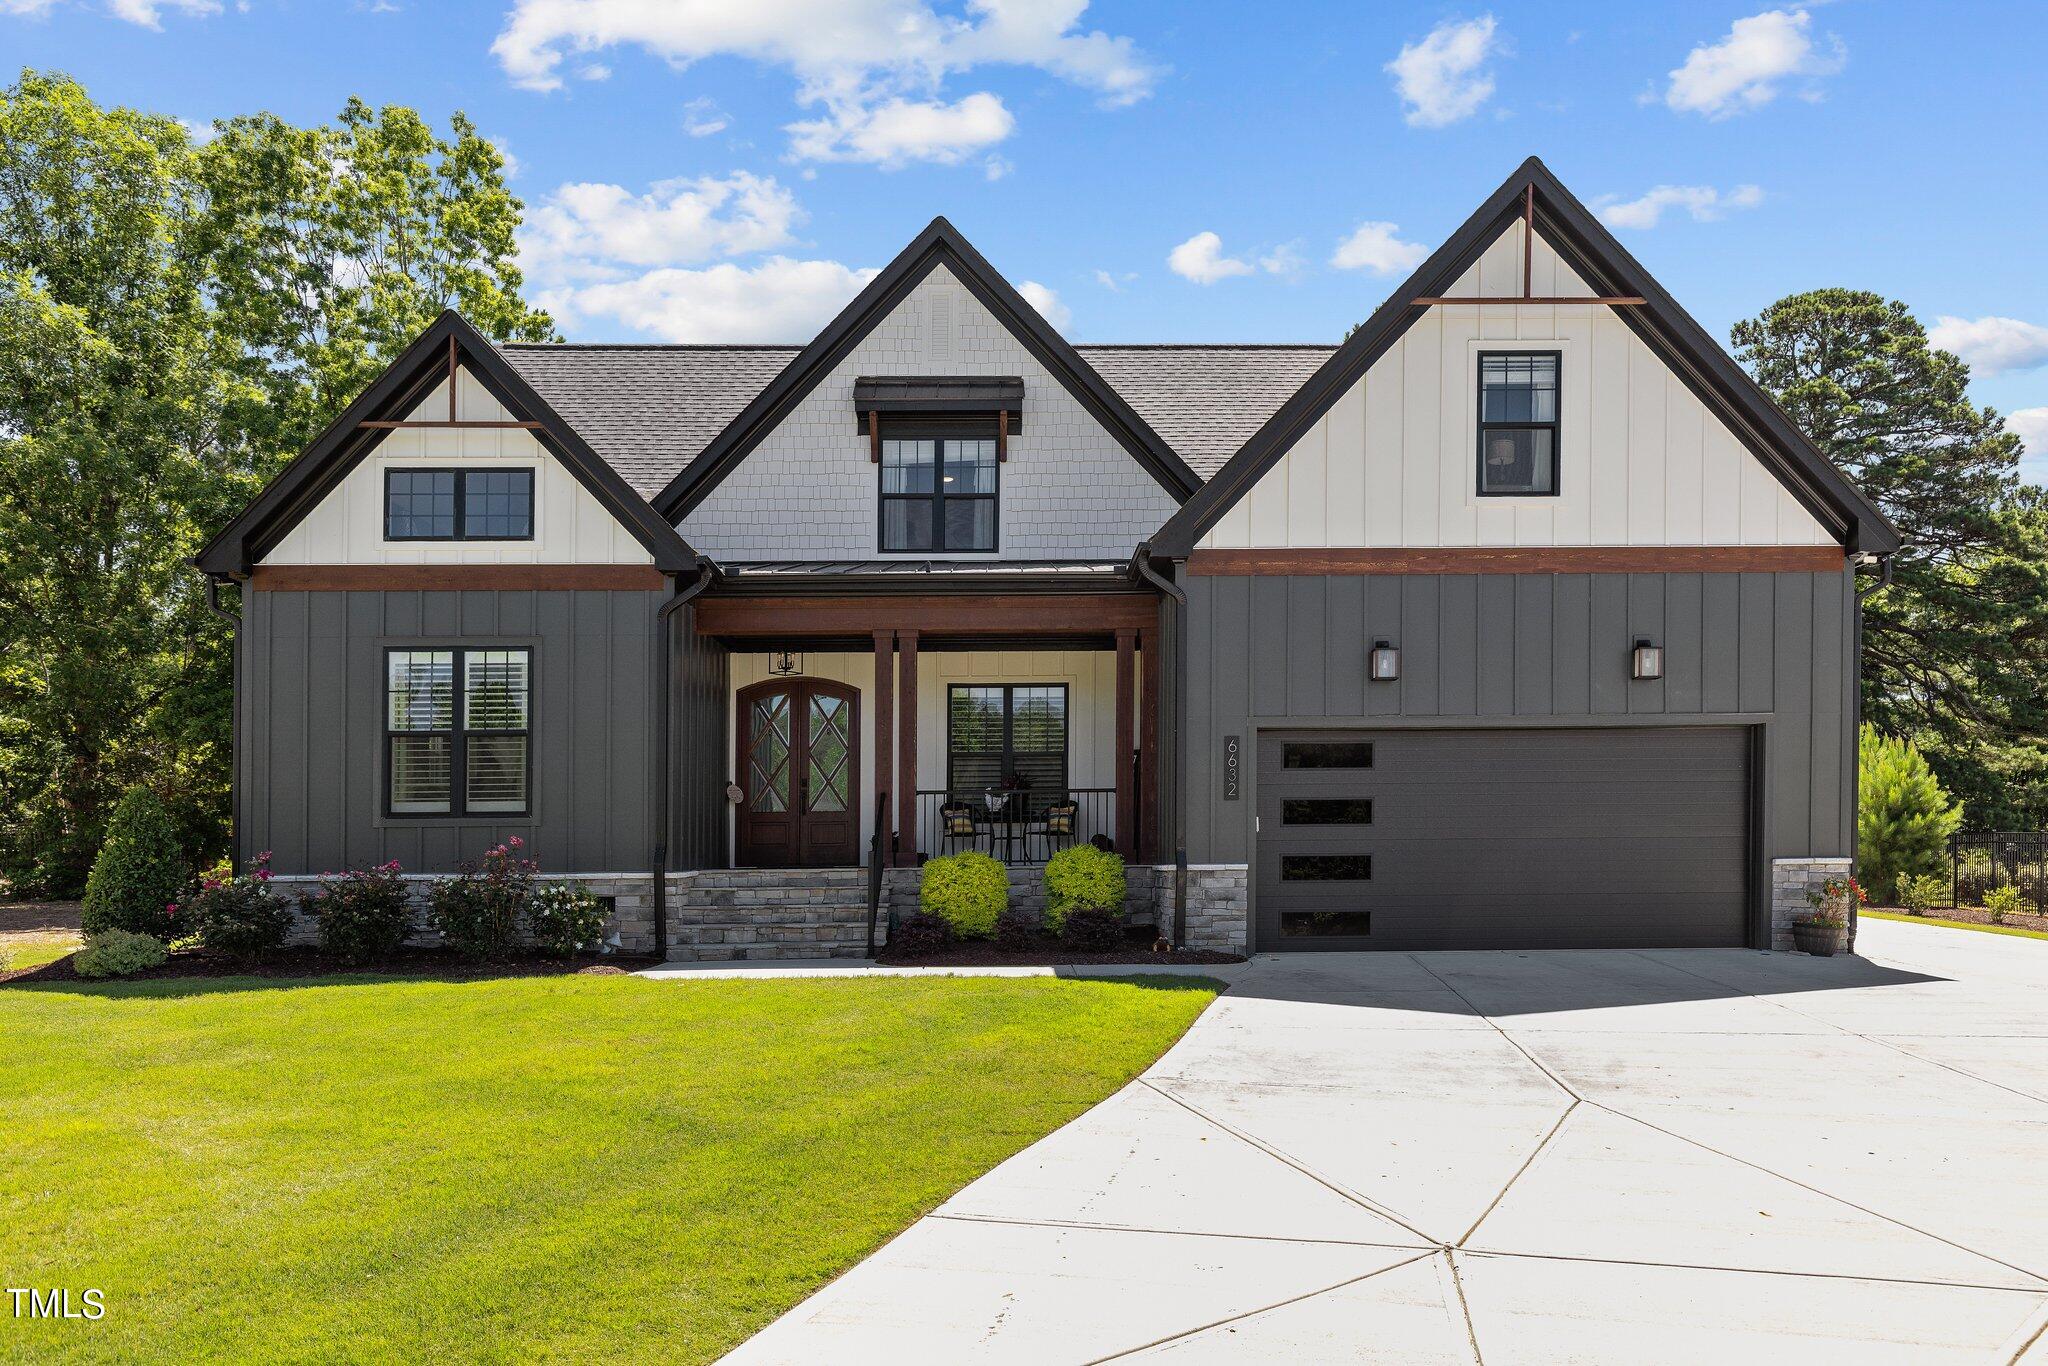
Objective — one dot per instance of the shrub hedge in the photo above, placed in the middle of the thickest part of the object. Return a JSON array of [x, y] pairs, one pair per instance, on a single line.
[[140, 875]]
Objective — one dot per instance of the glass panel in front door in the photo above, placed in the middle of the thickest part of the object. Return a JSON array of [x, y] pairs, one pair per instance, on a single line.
[[768, 754], [825, 778]]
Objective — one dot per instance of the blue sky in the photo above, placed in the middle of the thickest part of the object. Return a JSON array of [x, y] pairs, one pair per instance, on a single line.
[[728, 169]]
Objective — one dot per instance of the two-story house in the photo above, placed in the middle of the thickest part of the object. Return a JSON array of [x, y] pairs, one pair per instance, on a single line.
[[1520, 619]]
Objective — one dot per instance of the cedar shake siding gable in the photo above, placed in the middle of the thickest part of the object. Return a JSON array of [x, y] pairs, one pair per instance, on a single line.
[[1654, 343]]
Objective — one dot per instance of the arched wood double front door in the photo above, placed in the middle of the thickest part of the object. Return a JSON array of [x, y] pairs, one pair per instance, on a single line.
[[799, 768]]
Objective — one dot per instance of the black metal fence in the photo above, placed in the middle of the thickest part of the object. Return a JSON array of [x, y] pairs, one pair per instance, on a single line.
[[1014, 828], [1999, 858]]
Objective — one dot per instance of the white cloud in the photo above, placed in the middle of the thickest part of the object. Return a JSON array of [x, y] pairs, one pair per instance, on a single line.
[[1108, 282], [2032, 426], [1377, 247], [1992, 345], [1047, 303], [599, 232], [995, 168], [147, 13], [504, 150], [1284, 259], [593, 71], [1443, 78], [1703, 202], [777, 300], [896, 131], [1201, 259], [702, 117], [875, 67], [1748, 68], [201, 131]]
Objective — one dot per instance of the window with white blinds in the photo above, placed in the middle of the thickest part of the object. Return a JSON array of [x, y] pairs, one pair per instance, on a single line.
[[458, 751]]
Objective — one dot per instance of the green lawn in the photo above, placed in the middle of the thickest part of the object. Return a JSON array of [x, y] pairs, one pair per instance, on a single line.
[[561, 1168], [2018, 930]]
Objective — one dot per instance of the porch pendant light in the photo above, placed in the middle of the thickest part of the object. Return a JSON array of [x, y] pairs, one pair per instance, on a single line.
[[1386, 662], [785, 663], [1649, 661]]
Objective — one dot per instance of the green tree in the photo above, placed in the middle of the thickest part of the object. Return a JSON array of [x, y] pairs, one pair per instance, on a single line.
[[175, 323], [1955, 651], [1903, 818], [140, 875]]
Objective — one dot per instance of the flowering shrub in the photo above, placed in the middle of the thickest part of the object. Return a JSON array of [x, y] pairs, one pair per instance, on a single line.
[[563, 918], [1832, 899], [118, 953], [363, 914], [478, 912], [240, 917]]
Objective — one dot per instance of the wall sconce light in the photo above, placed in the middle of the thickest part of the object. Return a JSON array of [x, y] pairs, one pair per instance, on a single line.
[[1386, 662], [1649, 661], [785, 663]]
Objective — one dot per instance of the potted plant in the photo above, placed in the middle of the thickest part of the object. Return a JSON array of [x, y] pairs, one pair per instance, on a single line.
[[1821, 933]]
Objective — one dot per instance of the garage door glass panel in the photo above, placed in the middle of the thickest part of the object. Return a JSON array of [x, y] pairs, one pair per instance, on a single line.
[[1327, 754], [1321, 924], [1325, 867], [1325, 811]]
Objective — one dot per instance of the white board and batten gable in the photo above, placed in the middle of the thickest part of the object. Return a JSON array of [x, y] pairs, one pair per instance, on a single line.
[[1393, 463], [570, 526], [809, 491]]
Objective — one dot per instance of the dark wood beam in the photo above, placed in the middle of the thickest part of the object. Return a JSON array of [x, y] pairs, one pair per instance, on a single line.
[[1661, 559], [885, 741], [1126, 706], [906, 764], [1613, 300], [451, 424], [1150, 662], [988, 615]]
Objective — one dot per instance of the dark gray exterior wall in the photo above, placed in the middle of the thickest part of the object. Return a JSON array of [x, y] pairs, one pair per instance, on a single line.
[[313, 737], [1774, 650], [700, 693]]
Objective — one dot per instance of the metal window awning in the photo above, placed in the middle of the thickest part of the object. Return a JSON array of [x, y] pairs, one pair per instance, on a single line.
[[881, 397]]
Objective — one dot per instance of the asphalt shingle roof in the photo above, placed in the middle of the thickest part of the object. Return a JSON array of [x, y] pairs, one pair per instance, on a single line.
[[649, 410]]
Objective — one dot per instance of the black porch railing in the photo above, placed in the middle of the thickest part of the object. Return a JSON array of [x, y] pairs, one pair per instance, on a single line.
[[1999, 858], [1015, 829]]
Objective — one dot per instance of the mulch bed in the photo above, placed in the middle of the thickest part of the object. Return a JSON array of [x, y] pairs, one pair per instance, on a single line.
[[983, 953], [1973, 915], [311, 962]]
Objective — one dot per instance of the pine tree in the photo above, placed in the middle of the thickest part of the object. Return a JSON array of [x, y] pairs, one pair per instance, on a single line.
[[1903, 817]]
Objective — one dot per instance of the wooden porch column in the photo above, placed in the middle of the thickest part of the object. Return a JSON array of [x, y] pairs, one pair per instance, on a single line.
[[1150, 661], [906, 767], [1126, 697], [885, 738]]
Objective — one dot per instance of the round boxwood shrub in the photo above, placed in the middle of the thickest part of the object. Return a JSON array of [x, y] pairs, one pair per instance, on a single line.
[[1082, 878], [563, 918], [140, 876], [364, 914], [118, 953], [240, 917], [968, 891]]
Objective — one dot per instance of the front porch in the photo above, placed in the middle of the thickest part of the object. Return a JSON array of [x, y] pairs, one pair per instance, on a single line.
[[855, 722]]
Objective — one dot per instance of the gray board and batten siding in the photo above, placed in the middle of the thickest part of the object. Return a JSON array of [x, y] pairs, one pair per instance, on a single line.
[[312, 729], [1772, 650]]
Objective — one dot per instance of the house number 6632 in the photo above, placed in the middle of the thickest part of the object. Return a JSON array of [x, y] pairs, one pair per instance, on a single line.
[[1233, 767]]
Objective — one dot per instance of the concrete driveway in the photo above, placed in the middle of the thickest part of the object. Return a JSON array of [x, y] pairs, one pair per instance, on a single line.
[[1690, 1155]]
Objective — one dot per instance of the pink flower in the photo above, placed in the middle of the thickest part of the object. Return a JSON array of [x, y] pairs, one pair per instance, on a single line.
[[516, 842], [263, 875]]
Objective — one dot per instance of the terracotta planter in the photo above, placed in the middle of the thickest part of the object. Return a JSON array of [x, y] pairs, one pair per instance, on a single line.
[[1822, 941]]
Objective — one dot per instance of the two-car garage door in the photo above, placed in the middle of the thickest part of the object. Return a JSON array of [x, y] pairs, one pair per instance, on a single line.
[[1524, 838]]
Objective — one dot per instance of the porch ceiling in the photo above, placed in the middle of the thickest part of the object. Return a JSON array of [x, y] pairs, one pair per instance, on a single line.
[[737, 615]]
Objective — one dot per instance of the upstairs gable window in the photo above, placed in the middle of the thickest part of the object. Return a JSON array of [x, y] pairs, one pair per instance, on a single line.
[[1518, 424], [938, 494], [458, 505]]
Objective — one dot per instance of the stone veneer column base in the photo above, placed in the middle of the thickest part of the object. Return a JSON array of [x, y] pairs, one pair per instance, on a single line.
[[1219, 905], [1791, 880]]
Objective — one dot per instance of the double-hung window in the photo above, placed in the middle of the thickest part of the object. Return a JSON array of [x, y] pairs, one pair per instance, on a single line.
[[458, 505], [938, 494], [1517, 423], [457, 732]]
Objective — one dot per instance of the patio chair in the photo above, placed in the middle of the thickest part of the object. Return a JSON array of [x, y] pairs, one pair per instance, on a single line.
[[956, 823], [1055, 829]]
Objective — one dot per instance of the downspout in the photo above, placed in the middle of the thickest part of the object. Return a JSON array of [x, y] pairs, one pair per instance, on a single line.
[[663, 705], [1176, 727], [213, 583], [1884, 581]]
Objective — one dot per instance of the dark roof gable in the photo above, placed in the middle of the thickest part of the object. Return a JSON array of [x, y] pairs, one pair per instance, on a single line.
[[939, 244], [317, 470], [1670, 332]]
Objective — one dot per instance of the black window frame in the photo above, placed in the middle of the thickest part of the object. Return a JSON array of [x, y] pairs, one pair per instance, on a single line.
[[940, 437], [1009, 751], [461, 477], [458, 732], [1553, 426]]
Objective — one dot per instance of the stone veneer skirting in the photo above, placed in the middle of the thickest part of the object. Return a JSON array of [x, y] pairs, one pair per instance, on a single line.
[[1791, 880]]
